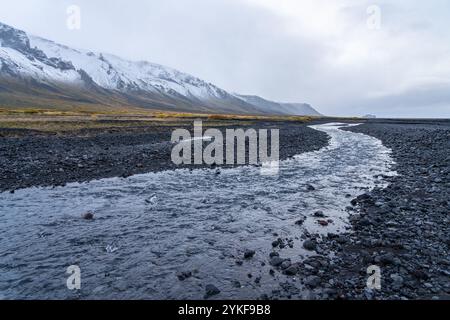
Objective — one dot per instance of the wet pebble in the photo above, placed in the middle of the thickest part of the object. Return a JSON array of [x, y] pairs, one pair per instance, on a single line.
[[248, 254], [310, 245], [88, 216], [211, 290]]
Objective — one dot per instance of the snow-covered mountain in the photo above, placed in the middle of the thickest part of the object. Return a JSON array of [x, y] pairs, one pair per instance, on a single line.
[[267, 106], [32, 64]]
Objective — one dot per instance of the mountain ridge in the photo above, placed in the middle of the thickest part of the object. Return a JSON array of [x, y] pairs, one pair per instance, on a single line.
[[297, 109], [30, 63]]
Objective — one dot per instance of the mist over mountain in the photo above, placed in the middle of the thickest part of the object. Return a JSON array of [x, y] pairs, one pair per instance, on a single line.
[[36, 72], [268, 106]]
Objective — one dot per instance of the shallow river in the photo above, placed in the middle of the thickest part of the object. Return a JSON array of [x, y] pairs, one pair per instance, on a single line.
[[149, 227]]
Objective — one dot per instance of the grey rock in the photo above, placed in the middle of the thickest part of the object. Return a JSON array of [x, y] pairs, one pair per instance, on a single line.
[[248, 254], [291, 271], [312, 281], [342, 239], [211, 290], [397, 280], [310, 245], [88, 216], [319, 214], [274, 254], [276, 261], [183, 275], [286, 264]]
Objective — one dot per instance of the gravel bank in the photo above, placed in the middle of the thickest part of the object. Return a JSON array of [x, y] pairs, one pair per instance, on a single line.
[[402, 229], [405, 228], [37, 159]]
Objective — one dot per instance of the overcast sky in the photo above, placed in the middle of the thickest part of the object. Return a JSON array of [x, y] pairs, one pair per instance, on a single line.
[[318, 51]]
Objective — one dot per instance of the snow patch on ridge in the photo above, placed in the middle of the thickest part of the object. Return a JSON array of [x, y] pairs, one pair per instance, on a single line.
[[137, 82], [112, 72], [35, 69]]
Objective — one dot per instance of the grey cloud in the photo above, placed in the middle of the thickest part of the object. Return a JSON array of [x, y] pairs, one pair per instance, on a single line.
[[249, 48]]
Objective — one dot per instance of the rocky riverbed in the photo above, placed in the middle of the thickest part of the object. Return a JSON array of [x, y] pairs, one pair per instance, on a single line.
[[282, 237], [402, 229], [35, 158]]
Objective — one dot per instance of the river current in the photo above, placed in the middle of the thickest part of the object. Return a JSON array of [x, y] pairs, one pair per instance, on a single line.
[[149, 227]]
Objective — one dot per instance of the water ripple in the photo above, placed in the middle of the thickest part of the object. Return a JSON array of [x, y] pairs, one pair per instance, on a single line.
[[149, 227]]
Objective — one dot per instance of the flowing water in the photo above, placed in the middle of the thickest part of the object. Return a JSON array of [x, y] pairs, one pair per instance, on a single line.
[[149, 227]]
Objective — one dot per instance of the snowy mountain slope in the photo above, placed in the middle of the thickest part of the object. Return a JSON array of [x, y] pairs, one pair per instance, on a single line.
[[267, 106], [18, 58], [111, 72], [33, 62], [299, 109]]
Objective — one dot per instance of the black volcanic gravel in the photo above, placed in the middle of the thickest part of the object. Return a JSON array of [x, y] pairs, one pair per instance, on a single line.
[[403, 229], [37, 159]]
